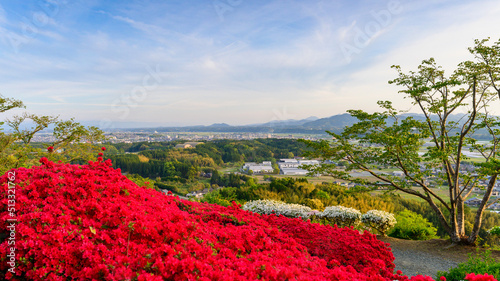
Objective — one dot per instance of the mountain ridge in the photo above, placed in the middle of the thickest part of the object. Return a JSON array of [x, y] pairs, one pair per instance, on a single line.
[[310, 125]]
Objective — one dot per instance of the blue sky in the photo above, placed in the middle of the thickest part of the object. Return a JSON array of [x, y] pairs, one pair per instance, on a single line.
[[233, 61]]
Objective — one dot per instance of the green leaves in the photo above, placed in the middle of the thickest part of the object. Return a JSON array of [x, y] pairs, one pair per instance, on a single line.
[[26, 135], [429, 150], [8, 104], [491, 167], [73, 141]]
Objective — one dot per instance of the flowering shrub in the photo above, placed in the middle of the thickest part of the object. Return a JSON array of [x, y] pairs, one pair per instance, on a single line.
[[91, 223], [379, 220], [268, 207], [494, 230], [342, 247], [341, 216], [480, 277]]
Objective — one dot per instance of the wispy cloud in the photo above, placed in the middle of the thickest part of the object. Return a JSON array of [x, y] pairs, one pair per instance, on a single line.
[[3, 17], [263, 56]]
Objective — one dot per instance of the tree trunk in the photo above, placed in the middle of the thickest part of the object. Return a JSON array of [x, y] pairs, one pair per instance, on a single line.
[[457, 222], [460, 217], [455, 238], [479, 214], [442, 220]]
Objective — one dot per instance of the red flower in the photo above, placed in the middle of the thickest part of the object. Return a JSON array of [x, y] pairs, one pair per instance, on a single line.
[[479, 277], [100, 154], [50, 148], [442, 278], [103, 148], [105, 227], [99, 159]]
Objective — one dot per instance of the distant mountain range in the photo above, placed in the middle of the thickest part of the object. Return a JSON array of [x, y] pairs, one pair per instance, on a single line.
[[286, 123], [310, 125], [275, 126]]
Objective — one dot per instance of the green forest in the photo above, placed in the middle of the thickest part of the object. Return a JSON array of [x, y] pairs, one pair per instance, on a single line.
[[205, 167], [319, 196], [163, 160]]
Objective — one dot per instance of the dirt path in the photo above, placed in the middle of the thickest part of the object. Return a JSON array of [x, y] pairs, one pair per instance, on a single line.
[[428, 257]]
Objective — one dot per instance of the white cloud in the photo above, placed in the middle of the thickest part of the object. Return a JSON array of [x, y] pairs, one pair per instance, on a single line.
[[3, 17], [260, 59], [446, 41]]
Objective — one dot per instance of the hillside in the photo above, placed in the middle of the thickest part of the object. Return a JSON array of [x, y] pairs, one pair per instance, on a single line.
[[333, 123], [90, 222]]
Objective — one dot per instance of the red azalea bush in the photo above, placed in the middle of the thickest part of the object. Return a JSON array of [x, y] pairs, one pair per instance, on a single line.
[[340, 246], [90, 222], [479, 277]]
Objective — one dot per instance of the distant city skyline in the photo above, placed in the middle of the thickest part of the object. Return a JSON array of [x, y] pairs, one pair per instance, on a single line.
[[181, 63]]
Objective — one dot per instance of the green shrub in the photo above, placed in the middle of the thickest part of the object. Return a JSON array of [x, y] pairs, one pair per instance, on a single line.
[[494, 230], [215, 197], [314, 204], [481, 263], [492, 237], [412, 226]]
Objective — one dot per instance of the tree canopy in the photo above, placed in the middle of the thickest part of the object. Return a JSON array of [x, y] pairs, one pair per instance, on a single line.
[[72, 141], [429, 152]]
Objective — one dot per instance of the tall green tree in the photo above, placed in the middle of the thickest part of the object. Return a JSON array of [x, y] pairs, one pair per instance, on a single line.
[[7, 140], [454, 107], [215, 179], [72, 141]]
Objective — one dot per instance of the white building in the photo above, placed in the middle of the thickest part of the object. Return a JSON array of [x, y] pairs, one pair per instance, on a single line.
[[195, 194], [292, 166], [264, 168], [288, 163], [308, 162], [398, 174], [293, 171], [247, 165]]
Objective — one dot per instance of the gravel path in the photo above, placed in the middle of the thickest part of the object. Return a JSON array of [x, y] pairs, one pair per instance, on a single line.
[[426, 257], [414, 262]]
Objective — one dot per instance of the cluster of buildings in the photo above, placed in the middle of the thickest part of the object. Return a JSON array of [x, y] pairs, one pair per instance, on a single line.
[[480, 188], [265, 167], [293, 166], [131, 137], [285, 166]]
